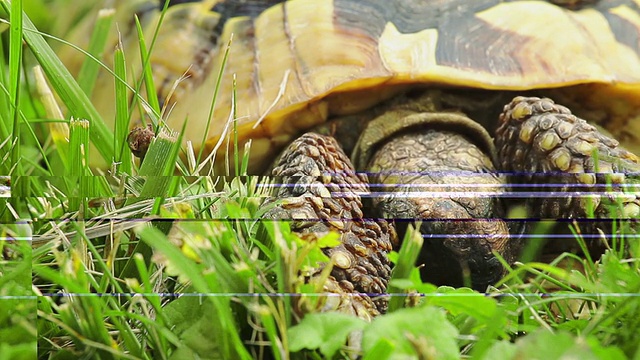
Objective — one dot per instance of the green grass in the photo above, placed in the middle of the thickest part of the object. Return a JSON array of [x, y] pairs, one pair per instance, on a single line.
[[111, 253]]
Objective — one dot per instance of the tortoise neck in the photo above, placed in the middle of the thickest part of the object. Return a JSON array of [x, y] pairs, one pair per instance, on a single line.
[[396, 122], [480, 105]]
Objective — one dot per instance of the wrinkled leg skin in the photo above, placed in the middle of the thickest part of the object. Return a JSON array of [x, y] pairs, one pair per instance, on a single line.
[[320, 192]]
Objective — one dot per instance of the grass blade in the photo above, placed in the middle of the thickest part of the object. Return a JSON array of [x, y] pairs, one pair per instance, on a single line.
[[15, 60], [407, 256], [123, 155], [66, 87], [89, 70]]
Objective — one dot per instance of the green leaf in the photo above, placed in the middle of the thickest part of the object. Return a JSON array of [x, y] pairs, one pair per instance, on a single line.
[[547, 345], [18, 352], [383, 349], [605, 352], [500, 350], [190, 319], [617, 276], [464, 301], [324, 331], [423, 332], [332, 239]]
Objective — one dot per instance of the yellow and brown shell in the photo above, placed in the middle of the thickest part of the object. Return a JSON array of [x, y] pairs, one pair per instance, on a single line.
[[299, 62]]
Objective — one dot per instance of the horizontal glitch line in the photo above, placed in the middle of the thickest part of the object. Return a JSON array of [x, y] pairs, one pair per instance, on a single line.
[[120, 221], [458, 185], [529, 236], [545, 295], [483, 194]]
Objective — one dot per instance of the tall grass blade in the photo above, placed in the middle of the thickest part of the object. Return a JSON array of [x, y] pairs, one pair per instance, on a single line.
[[15, 61], [123, 155], [66, 87], [89, 69]]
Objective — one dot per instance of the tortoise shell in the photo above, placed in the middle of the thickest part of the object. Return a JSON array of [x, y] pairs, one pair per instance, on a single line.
[[297, 63]]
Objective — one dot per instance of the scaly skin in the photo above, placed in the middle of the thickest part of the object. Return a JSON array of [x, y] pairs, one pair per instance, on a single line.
[[322, 193], [543, 143]]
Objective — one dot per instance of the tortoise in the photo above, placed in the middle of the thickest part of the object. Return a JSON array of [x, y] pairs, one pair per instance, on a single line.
[[412, 91]]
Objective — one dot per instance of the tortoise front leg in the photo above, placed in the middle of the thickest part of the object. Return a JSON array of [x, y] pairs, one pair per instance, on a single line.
[[319, 192], [584, 174]]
